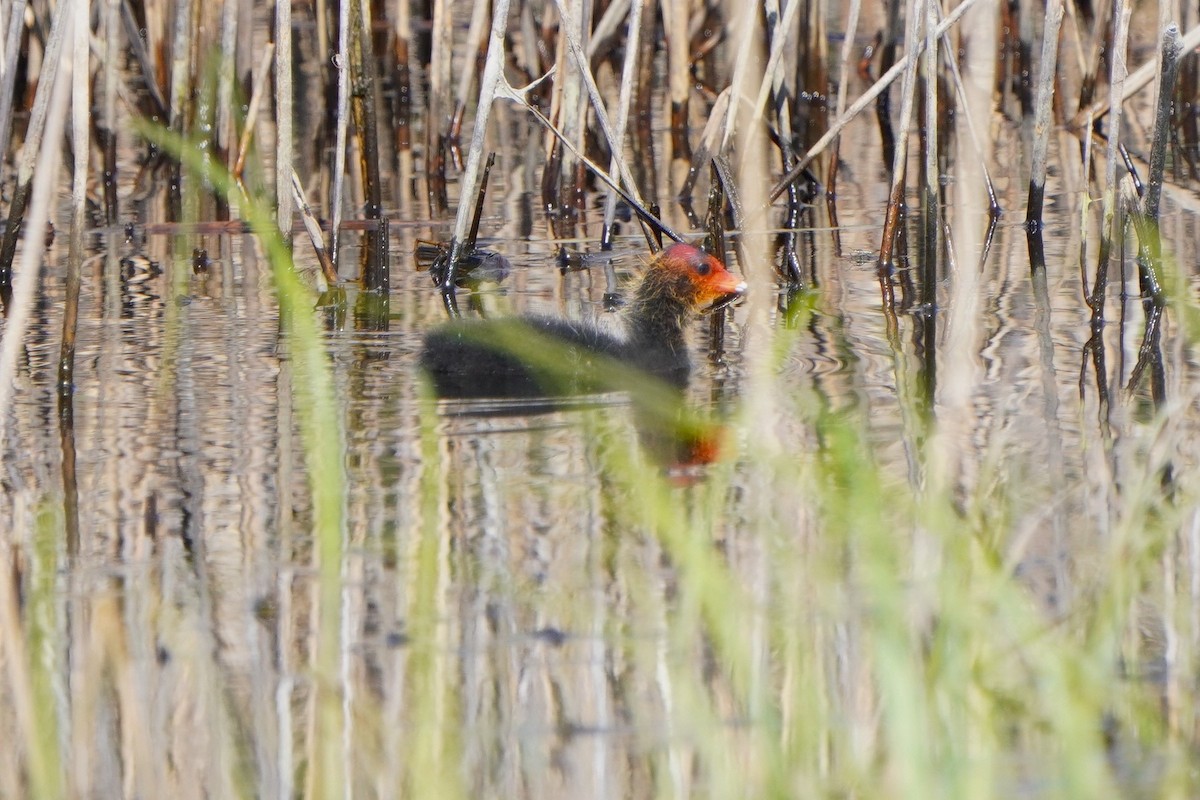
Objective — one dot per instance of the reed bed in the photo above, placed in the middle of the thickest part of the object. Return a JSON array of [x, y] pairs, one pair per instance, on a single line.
[[831, 608]]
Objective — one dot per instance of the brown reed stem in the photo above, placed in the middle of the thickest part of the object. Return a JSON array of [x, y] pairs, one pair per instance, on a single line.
[[364, 100]]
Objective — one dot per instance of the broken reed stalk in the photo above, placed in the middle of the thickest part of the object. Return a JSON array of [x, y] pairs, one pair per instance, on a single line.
[[31, 148], [628, 75], [313, 227], [284, 154], [8, 78], [489, 83], [342, 61], [900, 158], [864, 100], [1117, 71], [1041, 113]]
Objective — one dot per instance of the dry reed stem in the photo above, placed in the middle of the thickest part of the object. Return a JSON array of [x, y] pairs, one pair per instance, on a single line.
[[489, 83], [30, 150], [1041, 111], [1108, 230], [260, 82], [80, 131], [847, 57], [1171, 50], [182, 69], [931, 217], [741, 67], [315, 235], [610, 22], [476, 32], [284, 153], [439, 69], [133, 36], [342, 62], [518, 96], [624, 101], [52, 98], [865, 99], [960, 89], [900, 157], [773, 77], [614, 138], [8, 78], [675, 14], [112, 27], [225, 124], [1134, 83]]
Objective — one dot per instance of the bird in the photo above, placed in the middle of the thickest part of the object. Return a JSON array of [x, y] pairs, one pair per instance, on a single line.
[[533, 356]]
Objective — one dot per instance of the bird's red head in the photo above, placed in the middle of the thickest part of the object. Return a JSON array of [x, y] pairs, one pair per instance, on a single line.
[[706, 276]]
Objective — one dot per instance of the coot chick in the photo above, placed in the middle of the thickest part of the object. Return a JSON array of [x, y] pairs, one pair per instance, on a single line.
[[538, 356]]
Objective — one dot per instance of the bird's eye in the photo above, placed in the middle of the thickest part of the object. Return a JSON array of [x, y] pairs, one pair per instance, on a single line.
[[703, 268]]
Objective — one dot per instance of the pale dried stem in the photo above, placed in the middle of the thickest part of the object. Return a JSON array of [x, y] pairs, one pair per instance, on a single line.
[[284, 153]]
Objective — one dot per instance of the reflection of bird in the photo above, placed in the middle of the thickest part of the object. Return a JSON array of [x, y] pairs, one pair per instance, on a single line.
[[502, 358]]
